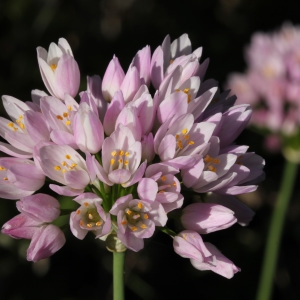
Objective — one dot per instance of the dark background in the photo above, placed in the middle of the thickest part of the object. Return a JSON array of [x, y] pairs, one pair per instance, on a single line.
[[96, 30]]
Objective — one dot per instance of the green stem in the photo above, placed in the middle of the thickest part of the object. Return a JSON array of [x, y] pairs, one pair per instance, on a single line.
[[275, 230], [118, 275]]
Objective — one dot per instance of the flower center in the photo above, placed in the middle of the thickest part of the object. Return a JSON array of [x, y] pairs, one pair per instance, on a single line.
[[135, 218], [66, 165], [65, 117], [183, 140], [18, 124], [211, 163], [119, 160], [53, 67], [90, 217], [4, 169], [187, 92]]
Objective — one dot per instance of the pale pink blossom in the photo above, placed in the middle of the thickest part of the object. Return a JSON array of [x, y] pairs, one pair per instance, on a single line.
[[59, 69]]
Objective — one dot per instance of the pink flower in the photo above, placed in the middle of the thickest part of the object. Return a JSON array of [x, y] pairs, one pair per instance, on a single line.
[[121, 157], [26, 128], [178, 140], [19, 177], [59, 115], [161, 185], [270, 83], [88, 129], [59, 69], [207, 217], [90, 216], [137, 219], [112, 79], [203, 256], [64, 165], [33, 222], [169, 55]]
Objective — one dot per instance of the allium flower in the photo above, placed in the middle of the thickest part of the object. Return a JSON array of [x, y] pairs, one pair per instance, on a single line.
[[59, 69], [137, 219], [121, 157], [59, 115], [33, 222], [63, 164], [26, 128], [207, 217], [90, 216], [19, 177], [271, 84], [203, 256], [134, 153], [161, 185]]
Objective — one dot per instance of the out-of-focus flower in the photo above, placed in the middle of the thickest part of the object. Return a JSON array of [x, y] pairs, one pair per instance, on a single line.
[[271, 85]]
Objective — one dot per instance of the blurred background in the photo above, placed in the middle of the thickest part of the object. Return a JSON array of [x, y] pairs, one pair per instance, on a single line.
[[96, 30]]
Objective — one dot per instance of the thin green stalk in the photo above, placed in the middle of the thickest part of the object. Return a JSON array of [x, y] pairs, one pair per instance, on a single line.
[[276, 226], [118, 275]]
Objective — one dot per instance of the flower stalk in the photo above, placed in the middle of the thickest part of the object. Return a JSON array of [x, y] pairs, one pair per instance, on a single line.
[[275, 231], [118, 275]]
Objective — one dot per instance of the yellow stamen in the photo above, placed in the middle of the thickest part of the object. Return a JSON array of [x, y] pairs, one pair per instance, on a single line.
[[211, 168], [133, 228], [163, 178], [146, 216], [68, 156], [57, 168], [112, 161], [143, 226], [78, 211], [184, 131], [140, 205], [68, 122], [65, 114], [59, 117], [85, 204], [53, 67], [2, 168], [98, 223]]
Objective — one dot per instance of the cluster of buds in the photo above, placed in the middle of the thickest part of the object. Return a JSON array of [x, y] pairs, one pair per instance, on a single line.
[[271, 84], [136, 149]]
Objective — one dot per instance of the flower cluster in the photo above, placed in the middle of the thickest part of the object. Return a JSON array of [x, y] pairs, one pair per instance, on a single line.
[[137, 149], [271, 84]]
